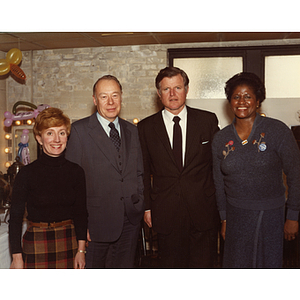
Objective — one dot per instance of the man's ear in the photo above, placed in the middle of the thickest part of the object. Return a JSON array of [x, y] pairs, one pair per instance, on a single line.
[[158, 93], [187, 89], [94, 100]]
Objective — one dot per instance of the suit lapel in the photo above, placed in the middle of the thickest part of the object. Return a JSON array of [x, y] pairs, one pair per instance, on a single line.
[[102, 141], [190, 132], [125, 142], [193, 136]]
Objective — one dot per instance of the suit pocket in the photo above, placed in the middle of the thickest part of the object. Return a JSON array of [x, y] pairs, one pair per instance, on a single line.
[[209, 191], [135, 198], [205, 141], [153, 196], [94, 201]]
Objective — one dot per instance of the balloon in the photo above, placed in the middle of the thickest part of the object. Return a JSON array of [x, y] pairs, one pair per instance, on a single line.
[[14, 56], [7, 122], [41, 107], [8, 114], [14, 109], [17, 71], [23, 151], [4, 67], [25, 156], [23, 115], [24, 136]]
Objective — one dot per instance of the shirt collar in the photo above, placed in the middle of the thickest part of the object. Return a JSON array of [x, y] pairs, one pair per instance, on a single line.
[[169, 116], [105, 122]]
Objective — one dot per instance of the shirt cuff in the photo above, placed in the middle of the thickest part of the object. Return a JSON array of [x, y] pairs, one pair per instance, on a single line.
[[292, 215], [222, 214]]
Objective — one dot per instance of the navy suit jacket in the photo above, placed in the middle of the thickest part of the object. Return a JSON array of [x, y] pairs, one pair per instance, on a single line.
[[166, 186], [114, 179]]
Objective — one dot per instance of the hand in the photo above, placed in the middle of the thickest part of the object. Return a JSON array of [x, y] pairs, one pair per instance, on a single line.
[[291, 229], [88, 237], [79, 261], [147, 218], [223, 230], [17, 262]]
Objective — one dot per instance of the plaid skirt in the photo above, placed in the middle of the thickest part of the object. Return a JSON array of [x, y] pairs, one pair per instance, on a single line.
[[49, 248]]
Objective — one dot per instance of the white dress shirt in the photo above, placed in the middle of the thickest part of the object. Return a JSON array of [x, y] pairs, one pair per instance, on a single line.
[[169, 123]]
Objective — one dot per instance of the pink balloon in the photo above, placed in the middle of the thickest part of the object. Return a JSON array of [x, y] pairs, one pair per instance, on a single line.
[[24, 136], [35, 113], [7, 114], [7, 122], [23, 115]]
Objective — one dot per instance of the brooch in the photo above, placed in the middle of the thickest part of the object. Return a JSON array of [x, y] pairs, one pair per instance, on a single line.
[[225, 153], [261, 146]]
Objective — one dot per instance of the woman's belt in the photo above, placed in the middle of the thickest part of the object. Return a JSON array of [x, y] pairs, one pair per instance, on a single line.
[[50, 225]]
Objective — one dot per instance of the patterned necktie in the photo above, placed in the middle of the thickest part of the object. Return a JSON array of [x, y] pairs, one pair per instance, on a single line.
[[177, 142], [114, 136]]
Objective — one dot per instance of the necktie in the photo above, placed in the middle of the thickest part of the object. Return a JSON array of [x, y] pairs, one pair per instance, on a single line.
[[177, 142], [114, 136]]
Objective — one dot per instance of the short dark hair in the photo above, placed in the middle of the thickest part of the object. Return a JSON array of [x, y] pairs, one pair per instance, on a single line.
[[107, 77], [171, 72], [249, 79]]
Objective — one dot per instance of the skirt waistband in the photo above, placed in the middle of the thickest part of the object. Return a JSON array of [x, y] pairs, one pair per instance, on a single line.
[[50, 225]]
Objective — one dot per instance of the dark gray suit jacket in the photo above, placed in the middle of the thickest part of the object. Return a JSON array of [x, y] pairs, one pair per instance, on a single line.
[[110, 191]]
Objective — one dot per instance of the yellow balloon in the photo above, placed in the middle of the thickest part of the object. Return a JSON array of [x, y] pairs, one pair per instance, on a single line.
[[14, 56], [4, 67]]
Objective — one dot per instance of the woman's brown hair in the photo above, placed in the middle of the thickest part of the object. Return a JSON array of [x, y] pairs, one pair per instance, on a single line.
[[51, 117]]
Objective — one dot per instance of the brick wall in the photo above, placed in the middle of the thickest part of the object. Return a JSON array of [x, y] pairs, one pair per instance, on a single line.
[[64, 78], [3, 142]]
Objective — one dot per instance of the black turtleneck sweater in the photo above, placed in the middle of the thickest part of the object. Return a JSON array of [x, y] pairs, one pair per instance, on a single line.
[[53, 190]]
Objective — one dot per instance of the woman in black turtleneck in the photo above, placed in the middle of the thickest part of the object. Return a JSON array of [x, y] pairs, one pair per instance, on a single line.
[[54, 192]]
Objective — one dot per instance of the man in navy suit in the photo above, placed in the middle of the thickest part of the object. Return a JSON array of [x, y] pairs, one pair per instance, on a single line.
[[179, 190], [108, 149]]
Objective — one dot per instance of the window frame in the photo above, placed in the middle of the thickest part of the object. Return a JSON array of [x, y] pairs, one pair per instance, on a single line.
[[253, 56]]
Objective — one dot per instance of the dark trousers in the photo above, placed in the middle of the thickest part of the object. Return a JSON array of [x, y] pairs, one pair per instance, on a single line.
[[118, 254], [187, 247]]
